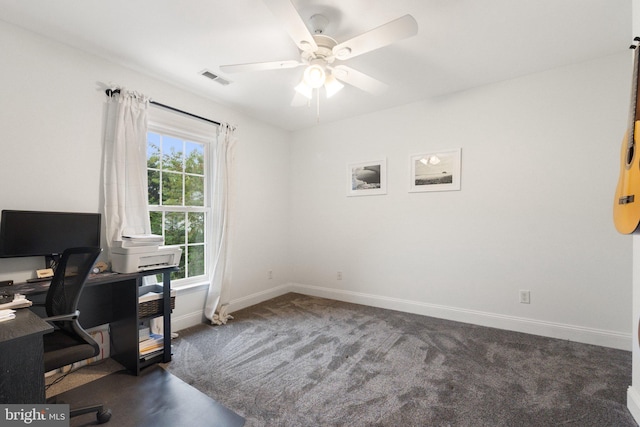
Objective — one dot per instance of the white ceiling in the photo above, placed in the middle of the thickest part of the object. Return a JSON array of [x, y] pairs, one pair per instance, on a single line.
[[460, 44]]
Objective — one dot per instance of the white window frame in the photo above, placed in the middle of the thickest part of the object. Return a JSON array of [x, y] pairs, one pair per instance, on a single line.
[[186, 128]]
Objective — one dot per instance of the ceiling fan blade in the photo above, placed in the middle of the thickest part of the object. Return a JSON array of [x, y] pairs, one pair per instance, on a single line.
[[358, 79], [381, 36], [259, 66], [293, 23]]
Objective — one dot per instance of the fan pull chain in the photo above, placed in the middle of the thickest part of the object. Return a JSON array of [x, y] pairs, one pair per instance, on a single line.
[[317, 106]]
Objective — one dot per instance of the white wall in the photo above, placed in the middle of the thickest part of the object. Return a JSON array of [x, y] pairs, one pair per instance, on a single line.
[[539, 169], [540, 159], [51, 117]]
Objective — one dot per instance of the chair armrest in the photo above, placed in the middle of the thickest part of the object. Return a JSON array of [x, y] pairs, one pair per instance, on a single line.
[[70, 316]]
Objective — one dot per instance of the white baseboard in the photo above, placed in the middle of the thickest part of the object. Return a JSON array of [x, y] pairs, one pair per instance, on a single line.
[[185, 321], [193, 318], [604, 338], [618, 340], [244, 302], [633, 402]]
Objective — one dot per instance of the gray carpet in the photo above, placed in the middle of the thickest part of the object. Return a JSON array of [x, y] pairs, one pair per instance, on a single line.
[[304, 361]]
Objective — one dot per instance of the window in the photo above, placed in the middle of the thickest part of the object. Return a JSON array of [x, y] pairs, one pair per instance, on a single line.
[[179, 209]]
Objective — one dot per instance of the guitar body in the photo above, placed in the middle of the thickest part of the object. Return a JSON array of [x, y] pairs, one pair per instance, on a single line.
[[626, 205]]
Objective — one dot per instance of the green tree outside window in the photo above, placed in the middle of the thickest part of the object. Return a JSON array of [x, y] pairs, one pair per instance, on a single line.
[[176, 188]]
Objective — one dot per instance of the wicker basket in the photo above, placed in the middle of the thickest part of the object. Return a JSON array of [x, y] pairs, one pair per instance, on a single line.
[[152, 308]]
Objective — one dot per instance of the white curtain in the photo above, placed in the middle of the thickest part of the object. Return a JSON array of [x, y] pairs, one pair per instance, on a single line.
[[125, 166], [221, 157]]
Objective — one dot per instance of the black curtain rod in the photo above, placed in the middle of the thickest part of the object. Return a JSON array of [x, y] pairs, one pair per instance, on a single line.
[[111, 92]]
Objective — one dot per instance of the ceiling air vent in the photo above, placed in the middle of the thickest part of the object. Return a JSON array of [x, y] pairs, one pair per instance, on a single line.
[[208, 74]]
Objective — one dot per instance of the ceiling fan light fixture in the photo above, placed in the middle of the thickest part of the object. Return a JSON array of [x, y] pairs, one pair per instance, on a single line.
[[332, 86], [304, 90], [314, 76]]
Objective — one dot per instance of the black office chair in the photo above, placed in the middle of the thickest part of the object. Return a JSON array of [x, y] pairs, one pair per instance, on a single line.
[[69, 342]]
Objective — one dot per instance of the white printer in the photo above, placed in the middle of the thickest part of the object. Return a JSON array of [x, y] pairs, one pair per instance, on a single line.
[[143, 252]]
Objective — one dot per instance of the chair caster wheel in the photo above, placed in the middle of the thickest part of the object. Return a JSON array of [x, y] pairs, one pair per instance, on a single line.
[[103, 416]]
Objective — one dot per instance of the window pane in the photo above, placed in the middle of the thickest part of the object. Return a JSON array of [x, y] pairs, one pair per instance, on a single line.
[[172, 154], [154, 187], [174, 228], [180, 274], [153, 150], [196, 227], [194, 190], [156, 222], [172, 189], [196, 260], [194, 158], [177, 177]]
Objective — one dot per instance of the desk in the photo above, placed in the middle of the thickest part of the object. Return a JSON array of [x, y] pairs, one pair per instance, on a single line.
[[21, 358], [113, 298]]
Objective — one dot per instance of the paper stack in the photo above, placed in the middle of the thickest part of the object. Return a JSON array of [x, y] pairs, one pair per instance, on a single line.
[[133, 240], [151, 346], [19, 301], [7, 315]]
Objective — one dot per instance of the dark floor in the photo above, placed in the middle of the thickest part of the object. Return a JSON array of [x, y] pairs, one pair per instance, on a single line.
[[156, 398]]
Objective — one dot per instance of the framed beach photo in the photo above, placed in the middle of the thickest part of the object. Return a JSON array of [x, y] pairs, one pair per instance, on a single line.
[[367, 178], [435, 171]]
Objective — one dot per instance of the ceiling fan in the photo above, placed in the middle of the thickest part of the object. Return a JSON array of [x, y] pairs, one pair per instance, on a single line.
[[321, 54]]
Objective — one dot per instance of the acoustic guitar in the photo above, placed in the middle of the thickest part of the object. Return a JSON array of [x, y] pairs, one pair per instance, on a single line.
[[626, 205]]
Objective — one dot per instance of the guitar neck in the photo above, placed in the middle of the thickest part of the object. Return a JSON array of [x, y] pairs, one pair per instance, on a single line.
[[634, 111]]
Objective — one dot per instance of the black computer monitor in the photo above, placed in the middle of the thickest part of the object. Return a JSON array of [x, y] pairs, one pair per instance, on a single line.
[[38, 233]]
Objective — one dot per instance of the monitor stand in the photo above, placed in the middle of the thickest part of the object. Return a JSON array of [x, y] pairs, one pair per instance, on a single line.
[[51, 261]]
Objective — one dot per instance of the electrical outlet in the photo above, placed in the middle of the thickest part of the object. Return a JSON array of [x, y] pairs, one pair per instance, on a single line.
[[339, 276], [270, 274], [525, 297]]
